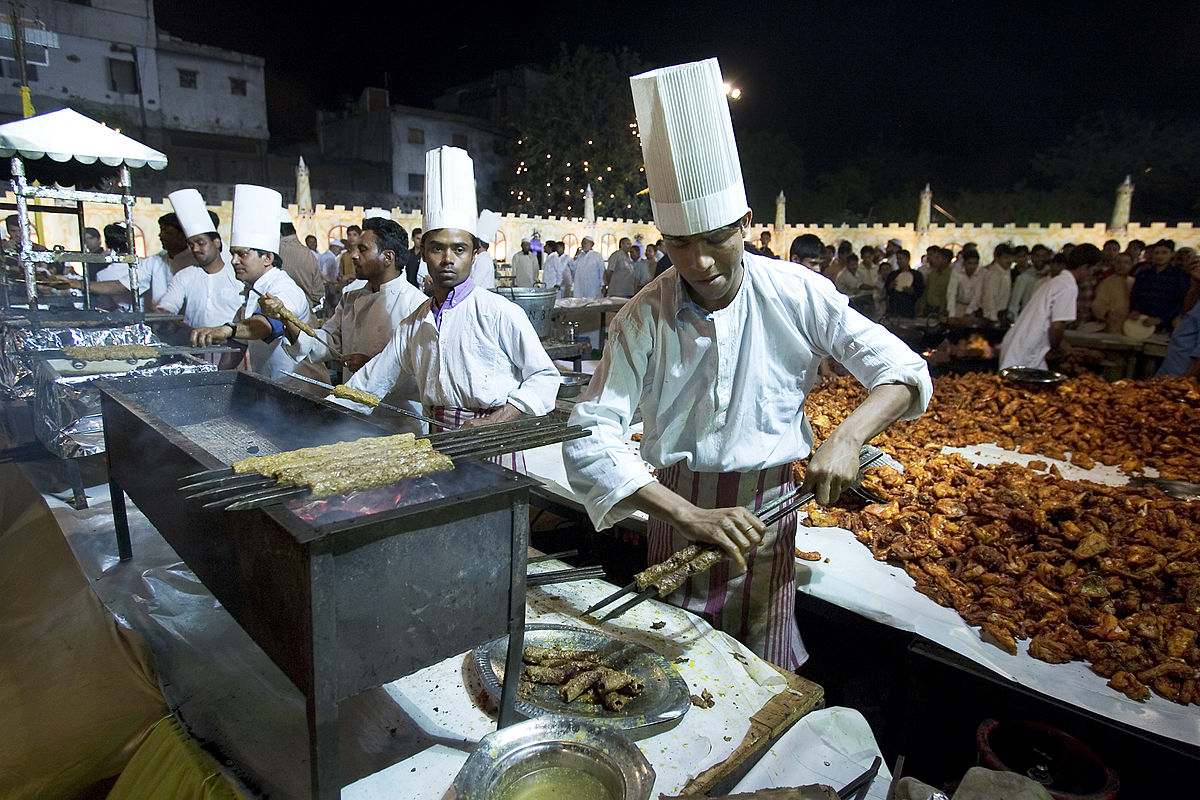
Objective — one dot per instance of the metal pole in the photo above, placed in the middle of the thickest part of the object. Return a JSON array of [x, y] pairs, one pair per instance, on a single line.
[[19, 187], [127, 201]]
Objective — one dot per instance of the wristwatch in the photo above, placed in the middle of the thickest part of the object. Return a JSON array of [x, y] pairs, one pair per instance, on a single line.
[[232, 329]]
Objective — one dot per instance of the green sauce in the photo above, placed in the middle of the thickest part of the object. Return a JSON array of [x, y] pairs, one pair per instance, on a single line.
[[557, 783]]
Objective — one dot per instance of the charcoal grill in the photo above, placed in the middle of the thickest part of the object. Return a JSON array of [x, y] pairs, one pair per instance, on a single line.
[[340, 601]]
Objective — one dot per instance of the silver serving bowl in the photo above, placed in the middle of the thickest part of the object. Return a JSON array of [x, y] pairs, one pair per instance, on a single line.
[[510, 754]]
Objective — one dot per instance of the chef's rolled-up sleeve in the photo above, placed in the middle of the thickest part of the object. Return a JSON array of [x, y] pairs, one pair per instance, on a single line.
[[601, 470]]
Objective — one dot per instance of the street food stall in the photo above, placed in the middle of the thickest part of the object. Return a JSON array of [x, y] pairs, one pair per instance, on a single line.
[[54, 346]]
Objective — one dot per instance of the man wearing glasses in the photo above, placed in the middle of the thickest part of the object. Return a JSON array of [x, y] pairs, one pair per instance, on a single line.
[[719, 353]]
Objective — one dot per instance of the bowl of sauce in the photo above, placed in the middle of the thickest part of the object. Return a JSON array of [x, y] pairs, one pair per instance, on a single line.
[[550, 758]]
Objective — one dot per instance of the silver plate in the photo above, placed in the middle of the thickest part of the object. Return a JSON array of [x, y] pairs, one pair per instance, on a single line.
[[665, 699], [1031, 375]]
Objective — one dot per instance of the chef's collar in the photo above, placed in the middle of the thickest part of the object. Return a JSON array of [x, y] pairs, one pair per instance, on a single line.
[[457, 295]]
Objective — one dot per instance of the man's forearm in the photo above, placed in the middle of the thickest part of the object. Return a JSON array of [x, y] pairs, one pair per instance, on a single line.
[[1057, 331]]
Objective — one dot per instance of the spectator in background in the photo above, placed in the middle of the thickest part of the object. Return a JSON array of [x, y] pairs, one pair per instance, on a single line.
[[1160, 289], [346, 271], [1111, 301], [937, 282], [643, 268], [855, 278], [300, 263], [764, 245], [524, 265], [844, 250], [556, 273], [618, 275], [1084, 259], [664, 260], [905, 286], [964, 291], [412, 263], [807, 250], [1038, 332], [587, 270], [1191, 265], [92, 242], [997, 282], [1022, 286], [1137, 250], [1108, 259]]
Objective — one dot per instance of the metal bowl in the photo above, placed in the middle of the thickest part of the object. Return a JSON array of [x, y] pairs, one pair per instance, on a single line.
[[1031, 375], [510, 755]]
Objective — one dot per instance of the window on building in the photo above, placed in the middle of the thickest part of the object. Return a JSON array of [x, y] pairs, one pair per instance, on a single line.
[[187, 79], [416, 136], [499, 247], [416, 182], [608, 244], [237, 86], [139, 242], [571, 241], [459, 140], [336, 234], [122, 76]]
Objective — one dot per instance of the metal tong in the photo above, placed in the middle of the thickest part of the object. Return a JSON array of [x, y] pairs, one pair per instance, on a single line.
[[698, 558]]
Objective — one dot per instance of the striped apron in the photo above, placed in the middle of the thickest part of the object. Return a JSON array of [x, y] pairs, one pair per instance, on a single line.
[[454, 416], [759, 607]]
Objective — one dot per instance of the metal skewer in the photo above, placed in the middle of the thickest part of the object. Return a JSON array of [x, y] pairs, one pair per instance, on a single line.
[[769, 513], [405, 412], [332, 350]]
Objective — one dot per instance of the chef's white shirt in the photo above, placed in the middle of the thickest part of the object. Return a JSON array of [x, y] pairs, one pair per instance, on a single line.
[[268, 358], [363, 322], [206, 300], [1028, 340], [154, 275], [722, 391], [483, 271], [486, 354]]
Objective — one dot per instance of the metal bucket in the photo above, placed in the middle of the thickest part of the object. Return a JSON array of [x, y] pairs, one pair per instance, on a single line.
[[513, 756], [537, 303]]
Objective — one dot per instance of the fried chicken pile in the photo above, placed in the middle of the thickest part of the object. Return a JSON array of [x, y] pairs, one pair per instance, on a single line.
[[1106, 574], [1130, 424]]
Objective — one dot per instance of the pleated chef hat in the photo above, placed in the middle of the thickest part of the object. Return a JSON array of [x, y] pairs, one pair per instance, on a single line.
[[256, 214], [193, 214], [691, 157], [450, 190]]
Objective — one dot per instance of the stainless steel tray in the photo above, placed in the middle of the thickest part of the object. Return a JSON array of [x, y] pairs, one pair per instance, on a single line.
[[665, 699], [1031, 375]]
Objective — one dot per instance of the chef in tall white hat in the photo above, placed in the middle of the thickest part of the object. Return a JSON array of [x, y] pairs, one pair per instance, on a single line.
[[254, 250], [475, 355], [719, 352], [208, 294]]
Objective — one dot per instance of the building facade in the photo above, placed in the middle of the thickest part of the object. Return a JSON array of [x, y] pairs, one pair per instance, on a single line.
[[203, 106]]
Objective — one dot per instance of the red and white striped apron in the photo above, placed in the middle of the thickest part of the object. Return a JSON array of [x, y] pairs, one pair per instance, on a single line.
[[454, 416], [759, 607]]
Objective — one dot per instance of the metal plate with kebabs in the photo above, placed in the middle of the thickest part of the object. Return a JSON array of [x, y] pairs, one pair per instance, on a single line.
[[580, 673]]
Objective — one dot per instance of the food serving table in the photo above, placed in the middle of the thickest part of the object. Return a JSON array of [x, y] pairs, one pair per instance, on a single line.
[[1130, 351], [588, 309], [344, 593]]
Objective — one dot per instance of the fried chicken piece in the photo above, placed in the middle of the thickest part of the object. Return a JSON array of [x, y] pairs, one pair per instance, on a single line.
[[1130, 686]]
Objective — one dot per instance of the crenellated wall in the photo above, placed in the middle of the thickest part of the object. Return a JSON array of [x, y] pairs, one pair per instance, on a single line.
[[326, 222]]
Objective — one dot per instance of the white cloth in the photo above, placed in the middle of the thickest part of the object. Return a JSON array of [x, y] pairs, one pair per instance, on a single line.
[[1028, 340], [205, 300], [483, 271], [964, 294], [557, 272], [587, 271], [485, 355], [620, 280], [525, 268], [722, 391], [997, 290], [363, 322], [269, 359]]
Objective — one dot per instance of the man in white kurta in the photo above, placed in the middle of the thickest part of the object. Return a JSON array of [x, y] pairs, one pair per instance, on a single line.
[[588, 270], [618, 273], [1040, 326], [719, 353], [207, 295], [556, 274], [524, 265], [964, 293]]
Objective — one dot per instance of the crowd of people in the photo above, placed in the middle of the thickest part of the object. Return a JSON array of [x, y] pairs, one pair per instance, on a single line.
[[1124, 291]]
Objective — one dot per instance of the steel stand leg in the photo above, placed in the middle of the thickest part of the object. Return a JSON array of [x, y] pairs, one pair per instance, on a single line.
[[120, 520]]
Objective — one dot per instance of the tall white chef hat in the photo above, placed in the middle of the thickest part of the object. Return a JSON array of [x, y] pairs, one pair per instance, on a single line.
[[193, 214], [376, 212], [257, 212], [450, 190], [692, 164]]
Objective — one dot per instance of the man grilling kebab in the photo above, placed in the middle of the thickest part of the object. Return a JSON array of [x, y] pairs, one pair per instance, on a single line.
[[254, 249], [720, 352], [475, 356]]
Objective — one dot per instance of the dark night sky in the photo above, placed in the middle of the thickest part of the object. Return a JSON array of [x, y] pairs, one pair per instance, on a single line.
[[974, 79]]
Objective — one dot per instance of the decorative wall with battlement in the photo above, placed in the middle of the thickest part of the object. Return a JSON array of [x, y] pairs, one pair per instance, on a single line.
[[330, 222]]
